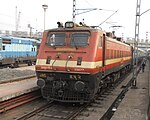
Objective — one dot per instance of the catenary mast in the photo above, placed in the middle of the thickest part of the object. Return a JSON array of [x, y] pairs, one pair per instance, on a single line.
[[74, 11], [136, 41]]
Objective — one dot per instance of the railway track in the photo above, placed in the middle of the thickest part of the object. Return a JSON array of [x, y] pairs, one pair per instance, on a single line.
[[33, 76], [8, 66], [50, 111], [54, 111], [17, 101], [10, 75], [104, 106], [57, 111]]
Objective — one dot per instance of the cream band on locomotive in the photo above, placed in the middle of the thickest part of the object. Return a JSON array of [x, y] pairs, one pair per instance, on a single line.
[[77, 61]]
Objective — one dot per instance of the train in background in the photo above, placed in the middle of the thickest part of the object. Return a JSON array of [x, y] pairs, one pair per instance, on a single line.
[[75, 62], [16, 50], [141, 55]]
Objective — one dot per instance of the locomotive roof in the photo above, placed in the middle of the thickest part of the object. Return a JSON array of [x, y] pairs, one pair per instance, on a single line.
[[71, 26], [76, 28], [116, 41]]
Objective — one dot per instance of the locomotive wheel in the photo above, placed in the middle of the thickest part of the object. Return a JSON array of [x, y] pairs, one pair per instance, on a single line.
[[29, 63], [14, 65]]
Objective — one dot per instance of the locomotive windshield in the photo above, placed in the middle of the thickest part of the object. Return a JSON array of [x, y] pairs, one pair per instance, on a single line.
[[79, 40], [75, 40], [56, 39]]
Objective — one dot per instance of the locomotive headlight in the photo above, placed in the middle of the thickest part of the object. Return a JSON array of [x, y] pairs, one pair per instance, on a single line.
[[69, 25], [42, 75], [75, 77], [41, 82], [79, 86]]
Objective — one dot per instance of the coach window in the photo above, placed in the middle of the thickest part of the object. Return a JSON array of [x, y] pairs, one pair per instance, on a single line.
[[6, 41], [56, 39], [33, 49], [3, 47]]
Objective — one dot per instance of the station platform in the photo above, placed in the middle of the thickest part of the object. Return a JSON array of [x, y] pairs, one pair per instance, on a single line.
[[135, 104], [13, 89]]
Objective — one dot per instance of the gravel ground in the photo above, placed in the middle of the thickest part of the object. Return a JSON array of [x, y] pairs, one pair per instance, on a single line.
[[8, 73]]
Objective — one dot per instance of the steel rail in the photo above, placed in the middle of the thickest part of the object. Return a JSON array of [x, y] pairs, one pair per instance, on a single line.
[[18, 101], [34, 112], [18, 79], [75, 113]]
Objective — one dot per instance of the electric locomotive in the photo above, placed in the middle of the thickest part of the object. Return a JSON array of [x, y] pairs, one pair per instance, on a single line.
[[76, 61]]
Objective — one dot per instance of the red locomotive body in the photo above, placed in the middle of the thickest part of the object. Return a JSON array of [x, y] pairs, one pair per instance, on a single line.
[[75, 62]]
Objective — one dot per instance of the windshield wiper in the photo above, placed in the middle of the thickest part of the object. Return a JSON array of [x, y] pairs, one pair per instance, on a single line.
[[74, 43]]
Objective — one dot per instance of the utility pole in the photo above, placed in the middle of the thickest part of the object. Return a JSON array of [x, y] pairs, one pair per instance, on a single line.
[[136, 40], [85, 11], [44, 7], [74, 11], [18, 21], [30, 27], [146, 41], [16, 18]]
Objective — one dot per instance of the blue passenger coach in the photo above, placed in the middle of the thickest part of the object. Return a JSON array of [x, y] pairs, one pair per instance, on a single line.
[[141, 54], [15, 50]]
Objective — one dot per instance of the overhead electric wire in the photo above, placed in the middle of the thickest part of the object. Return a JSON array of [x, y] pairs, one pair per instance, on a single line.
[[108, 18]]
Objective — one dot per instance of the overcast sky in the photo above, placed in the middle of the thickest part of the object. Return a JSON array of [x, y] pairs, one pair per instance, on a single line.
[[61, 10]]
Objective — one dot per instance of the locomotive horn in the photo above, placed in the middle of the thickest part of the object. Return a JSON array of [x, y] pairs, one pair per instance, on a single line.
[[60, 24]]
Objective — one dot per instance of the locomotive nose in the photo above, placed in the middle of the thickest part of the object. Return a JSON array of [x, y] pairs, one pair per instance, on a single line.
[[79, 86], [41, 83]]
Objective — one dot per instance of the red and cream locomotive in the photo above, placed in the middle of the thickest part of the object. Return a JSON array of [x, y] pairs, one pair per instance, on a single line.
[[77, 61]]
